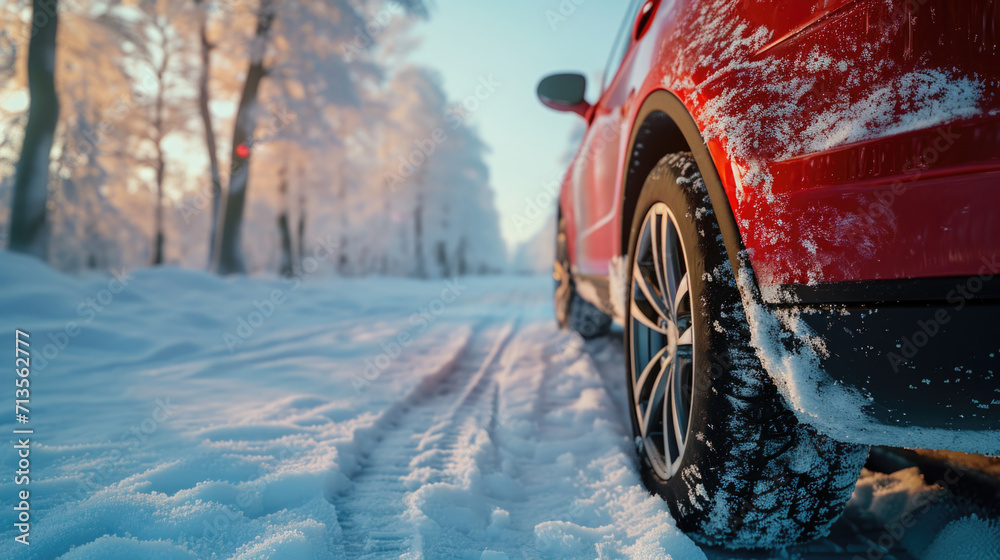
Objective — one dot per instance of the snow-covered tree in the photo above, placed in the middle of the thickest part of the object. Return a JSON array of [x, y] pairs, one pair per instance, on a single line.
[[295, 42], [436, 165]]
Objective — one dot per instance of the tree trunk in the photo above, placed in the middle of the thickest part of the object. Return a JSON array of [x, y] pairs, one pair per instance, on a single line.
[[418, 235], [159, 237], [206, 119], [302, 221], [160, 161], [28, 231], [442, 258], [342, 260], [287, 263], [461, 258], [230, 259]]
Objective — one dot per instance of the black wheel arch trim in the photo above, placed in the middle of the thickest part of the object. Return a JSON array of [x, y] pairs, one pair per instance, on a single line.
[[662, 103]]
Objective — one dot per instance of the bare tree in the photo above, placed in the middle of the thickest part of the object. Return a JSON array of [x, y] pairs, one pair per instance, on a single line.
[[230, 258], [302, 219], [204, 96], [28, 231], [418, 228], [159, 131], [287, 258], [159, 50]]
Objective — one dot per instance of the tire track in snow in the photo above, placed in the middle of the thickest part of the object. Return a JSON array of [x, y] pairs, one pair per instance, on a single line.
[[586, 497], [372, 514], [558, 350]]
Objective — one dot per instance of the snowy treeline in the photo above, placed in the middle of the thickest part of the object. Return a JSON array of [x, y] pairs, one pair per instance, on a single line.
[[536, 255], [346, 152]]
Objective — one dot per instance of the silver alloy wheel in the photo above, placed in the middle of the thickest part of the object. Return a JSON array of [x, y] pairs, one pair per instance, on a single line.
[[661, 340]]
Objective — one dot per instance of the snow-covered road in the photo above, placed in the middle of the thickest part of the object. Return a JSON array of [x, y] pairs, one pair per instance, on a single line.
[[187, 416], [177, 415]]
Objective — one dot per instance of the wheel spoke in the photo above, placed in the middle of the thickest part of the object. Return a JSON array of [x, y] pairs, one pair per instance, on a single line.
[[643, 316], [670, 264], [655, 364], [654, 403], [669, 431], [655, 300], [683, 290], [657, 236]]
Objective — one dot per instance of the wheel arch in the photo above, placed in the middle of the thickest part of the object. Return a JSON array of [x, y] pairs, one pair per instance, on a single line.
[[664, 126]]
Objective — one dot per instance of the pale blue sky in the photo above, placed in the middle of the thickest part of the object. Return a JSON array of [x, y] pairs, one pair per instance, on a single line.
[[517, 42]]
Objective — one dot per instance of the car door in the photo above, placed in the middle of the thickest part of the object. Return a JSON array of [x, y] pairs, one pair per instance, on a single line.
[[595, 171]]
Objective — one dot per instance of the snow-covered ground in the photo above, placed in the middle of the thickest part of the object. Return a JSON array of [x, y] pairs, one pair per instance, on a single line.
[[178, 415]]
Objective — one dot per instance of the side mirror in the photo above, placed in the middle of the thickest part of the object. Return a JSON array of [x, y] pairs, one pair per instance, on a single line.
[[644, 18], [565, 92]]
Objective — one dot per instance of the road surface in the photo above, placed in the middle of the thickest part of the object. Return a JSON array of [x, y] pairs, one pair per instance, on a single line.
[[185, 416]]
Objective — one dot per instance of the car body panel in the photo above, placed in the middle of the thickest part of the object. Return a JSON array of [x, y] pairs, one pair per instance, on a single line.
[[856, 139]]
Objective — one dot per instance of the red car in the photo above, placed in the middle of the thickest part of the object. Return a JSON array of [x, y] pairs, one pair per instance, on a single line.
[[793, 209]]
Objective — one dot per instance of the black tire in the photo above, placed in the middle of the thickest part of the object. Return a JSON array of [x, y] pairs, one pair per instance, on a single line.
[[572, 311], [747, 474]]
